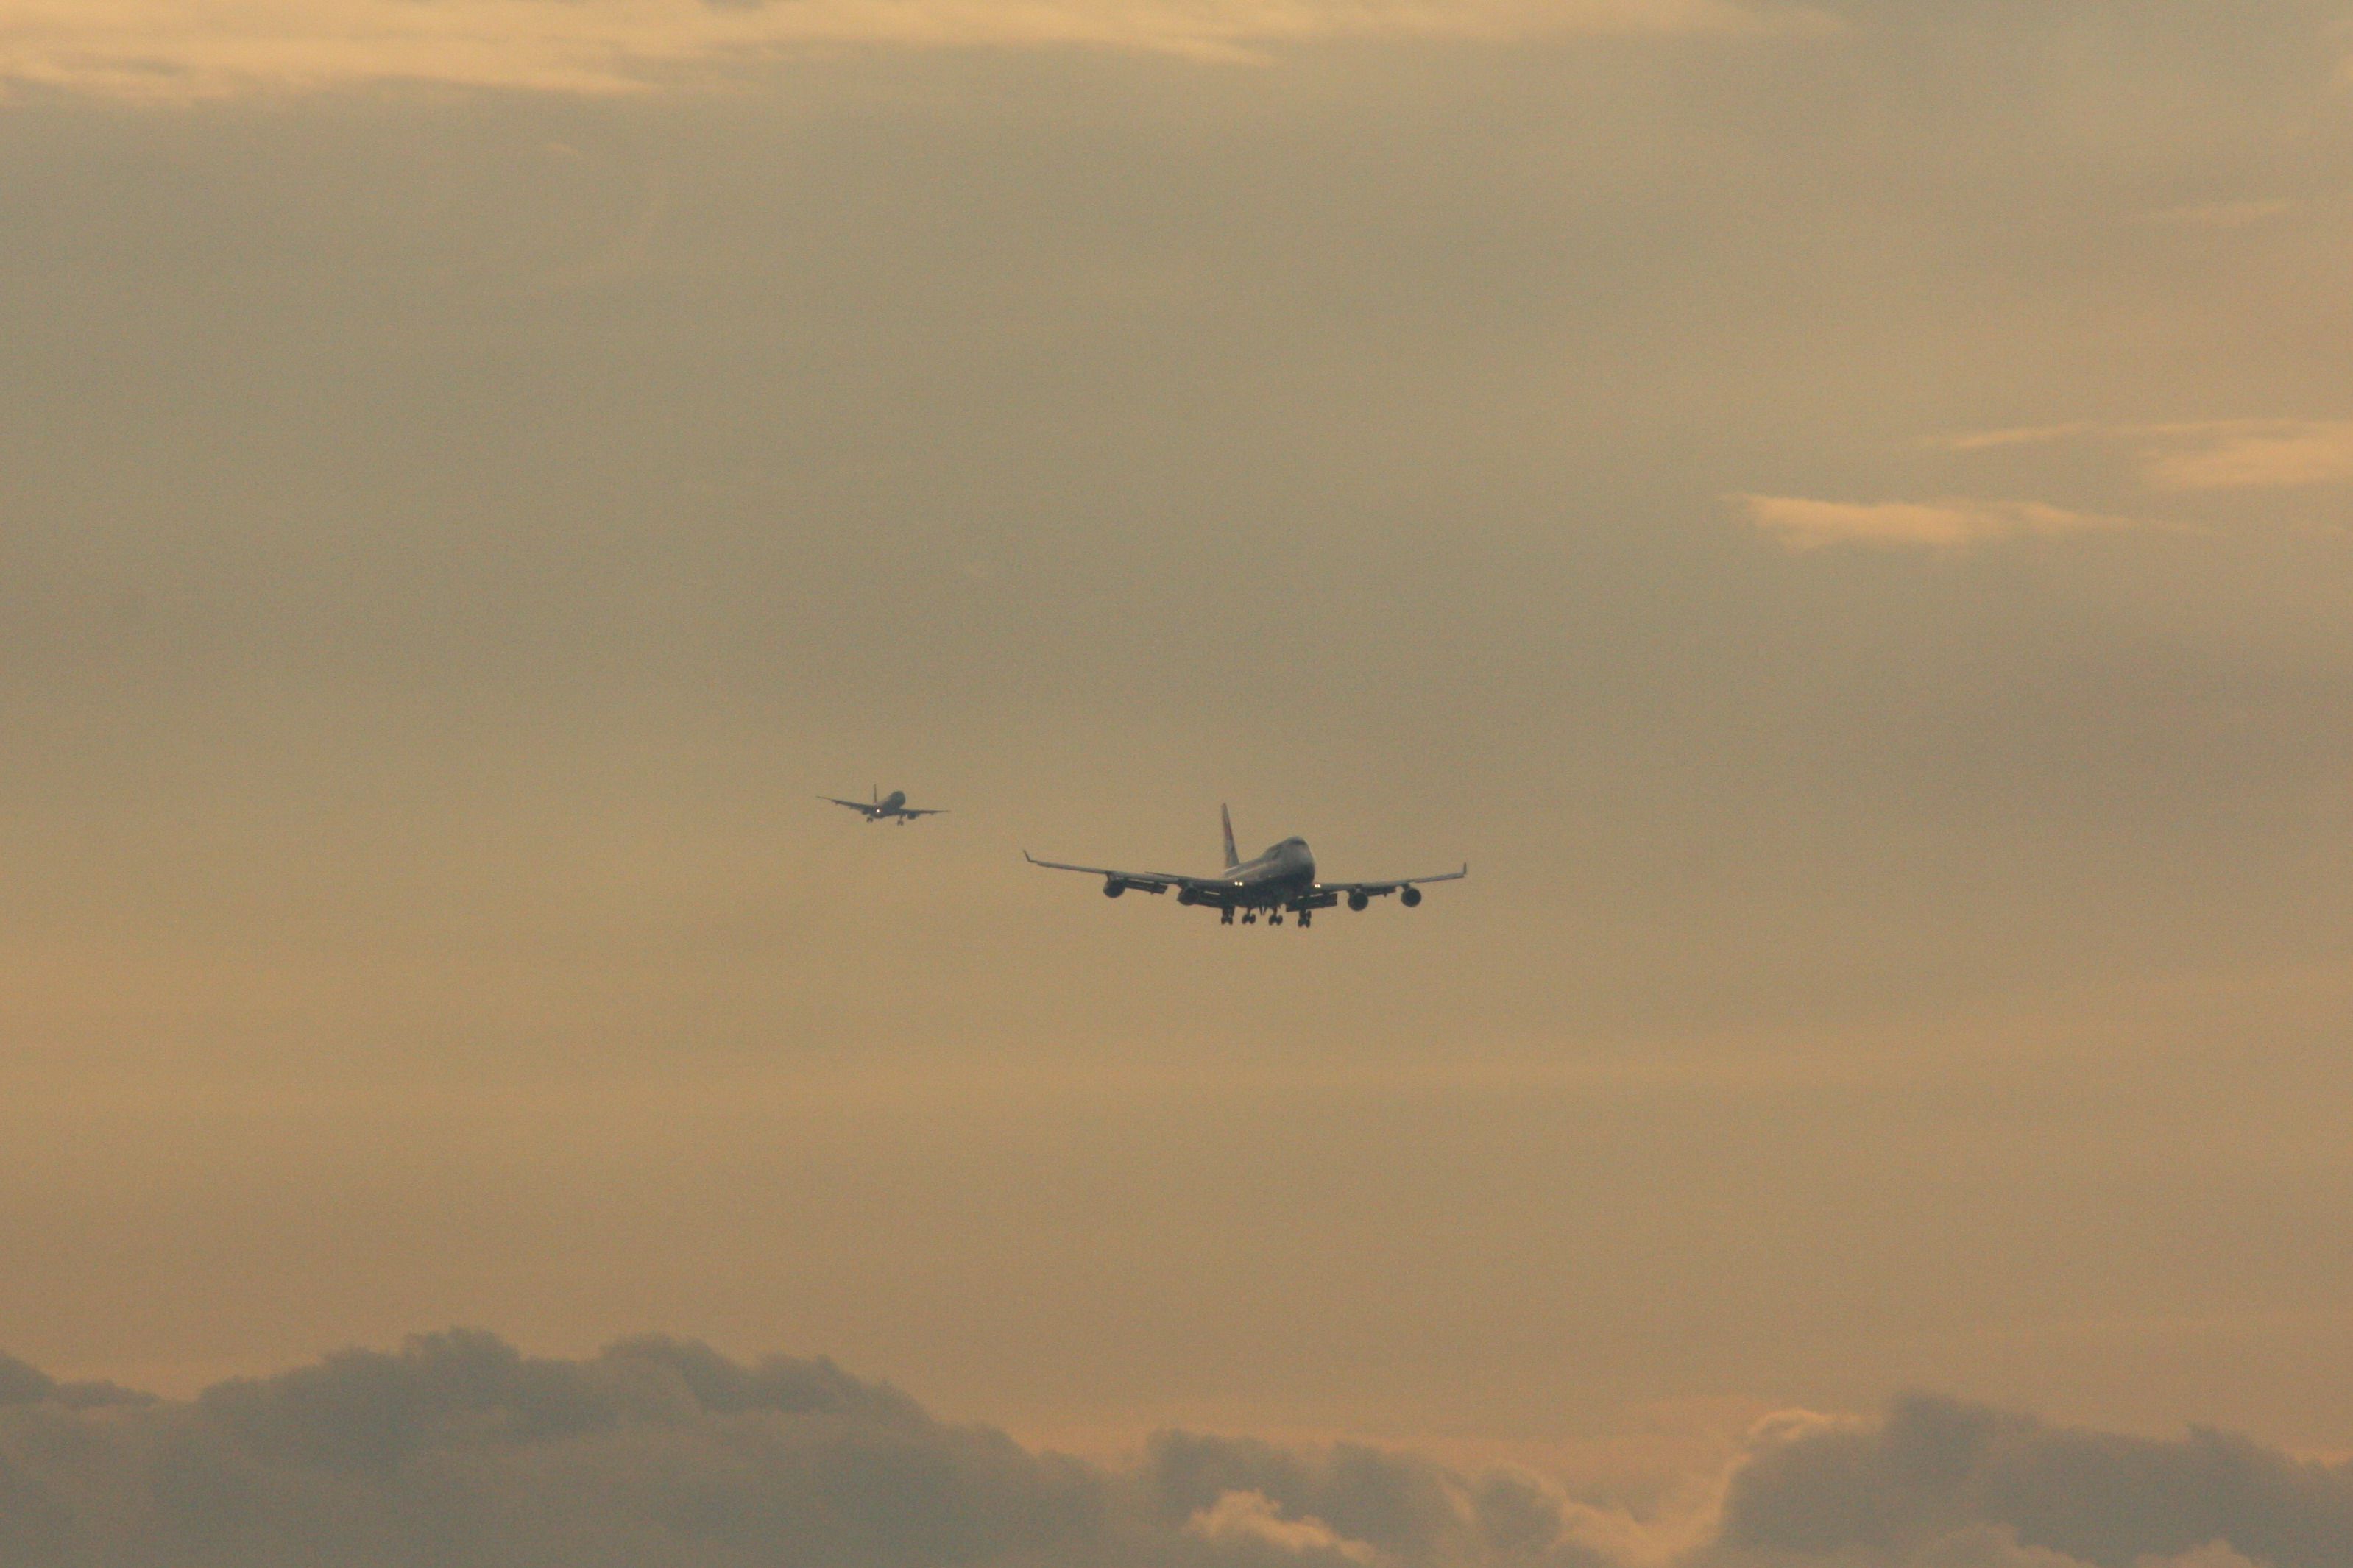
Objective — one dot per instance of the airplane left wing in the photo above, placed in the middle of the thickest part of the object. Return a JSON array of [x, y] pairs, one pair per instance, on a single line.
[[1395, 884]]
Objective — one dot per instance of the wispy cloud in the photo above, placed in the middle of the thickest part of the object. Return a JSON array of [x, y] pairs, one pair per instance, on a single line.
[[2252, 453], [2206, 455], [1804, 523], [182, 50], [2219, 214], [1255, 1519]]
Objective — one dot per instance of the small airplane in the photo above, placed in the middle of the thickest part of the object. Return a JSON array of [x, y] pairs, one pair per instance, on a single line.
[[887, 808], [1282, 879]]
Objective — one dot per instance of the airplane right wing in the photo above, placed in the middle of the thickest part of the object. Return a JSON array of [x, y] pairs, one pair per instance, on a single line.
[[1116, 882], [1359, 893], [853, 804]]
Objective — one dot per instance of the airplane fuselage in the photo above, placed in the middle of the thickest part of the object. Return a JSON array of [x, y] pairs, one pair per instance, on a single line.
[[1283, 874]]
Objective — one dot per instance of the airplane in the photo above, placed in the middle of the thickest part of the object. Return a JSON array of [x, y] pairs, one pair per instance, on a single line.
[[1282, 879], [884, 807]]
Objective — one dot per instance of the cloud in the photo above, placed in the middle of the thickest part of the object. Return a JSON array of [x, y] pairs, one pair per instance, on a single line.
[[2206, 455], [1939, 1483], [1253, 1518], [2220, 215], [458, 1451], [183, 50], [1802, 523], [2250, 454]]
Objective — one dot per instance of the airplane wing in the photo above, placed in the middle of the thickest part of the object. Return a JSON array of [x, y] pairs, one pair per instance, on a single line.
[[1150, 881], [853, 804], [926, 811], [1382, 889]]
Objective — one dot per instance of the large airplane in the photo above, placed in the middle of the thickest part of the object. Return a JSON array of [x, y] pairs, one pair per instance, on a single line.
[[886, 807], [1282, 879]]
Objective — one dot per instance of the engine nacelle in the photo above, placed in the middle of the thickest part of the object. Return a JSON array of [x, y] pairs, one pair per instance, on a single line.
[[1113, 887], [1410, 897], [1360, 901], [1187, 895]]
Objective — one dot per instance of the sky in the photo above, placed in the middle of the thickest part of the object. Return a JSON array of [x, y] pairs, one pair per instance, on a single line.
[[1837, 512]]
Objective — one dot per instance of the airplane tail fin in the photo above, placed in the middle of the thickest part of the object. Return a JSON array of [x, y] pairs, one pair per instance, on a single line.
[[1227, 816]]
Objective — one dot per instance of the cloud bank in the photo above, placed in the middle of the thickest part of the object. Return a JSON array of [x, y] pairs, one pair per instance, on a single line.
[[457, 1450], [180, 50]]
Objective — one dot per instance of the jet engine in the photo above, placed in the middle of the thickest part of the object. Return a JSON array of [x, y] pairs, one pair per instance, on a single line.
[[1410, 897], [1113, 887], [1359, 901]]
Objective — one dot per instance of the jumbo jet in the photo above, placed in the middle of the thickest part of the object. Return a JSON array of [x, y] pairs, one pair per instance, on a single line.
[[1283, 879], [887, 808]]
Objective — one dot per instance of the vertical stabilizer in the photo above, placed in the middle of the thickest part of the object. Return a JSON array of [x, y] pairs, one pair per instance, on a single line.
[[1226, 817]]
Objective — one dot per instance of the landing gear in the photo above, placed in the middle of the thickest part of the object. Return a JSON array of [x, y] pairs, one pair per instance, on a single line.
[[1306, 917], [1274, 917], [1226, 916], [1250, 917]]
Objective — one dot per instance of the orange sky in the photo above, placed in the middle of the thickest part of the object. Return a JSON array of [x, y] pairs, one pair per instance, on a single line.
[[1838, 514]]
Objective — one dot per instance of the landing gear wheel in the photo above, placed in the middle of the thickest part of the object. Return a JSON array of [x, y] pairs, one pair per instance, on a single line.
[[1305, 916], [1225, 917]]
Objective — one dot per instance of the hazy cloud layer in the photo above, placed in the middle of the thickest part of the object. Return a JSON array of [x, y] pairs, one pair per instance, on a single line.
[[459, 1449], [166, 50]]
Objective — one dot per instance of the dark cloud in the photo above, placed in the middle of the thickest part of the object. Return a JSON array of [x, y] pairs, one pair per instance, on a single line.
[[461, 1451], [22, 1384], [1936, 1474]]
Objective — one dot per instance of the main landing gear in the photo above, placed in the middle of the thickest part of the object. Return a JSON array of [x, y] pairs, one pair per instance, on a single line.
[[1273, 916]]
